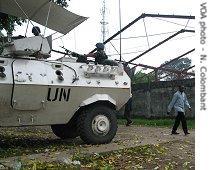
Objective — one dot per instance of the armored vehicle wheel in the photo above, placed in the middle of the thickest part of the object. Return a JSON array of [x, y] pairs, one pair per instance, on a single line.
[[97, 124], [65, 131]]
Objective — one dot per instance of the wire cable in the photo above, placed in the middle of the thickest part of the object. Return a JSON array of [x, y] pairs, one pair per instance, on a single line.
[[126, 53], [114, 48], [150, 35], [75, 73], [45, 27], [173, 22], [145, 28], [187, 23], [116, 51], [24, 13], [134, 52], [48, 14]]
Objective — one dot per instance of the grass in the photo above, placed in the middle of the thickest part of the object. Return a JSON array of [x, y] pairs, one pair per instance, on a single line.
[[163, 122], [166, 156], [18, 143]]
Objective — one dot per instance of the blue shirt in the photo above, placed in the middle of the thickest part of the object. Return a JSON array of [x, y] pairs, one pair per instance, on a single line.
[[179, 102]]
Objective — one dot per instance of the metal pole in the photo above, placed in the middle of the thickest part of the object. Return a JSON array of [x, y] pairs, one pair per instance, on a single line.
[[120, 32]]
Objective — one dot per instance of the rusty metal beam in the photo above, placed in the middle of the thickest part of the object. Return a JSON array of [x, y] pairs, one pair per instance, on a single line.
[[170, 16], [185, 70], [164, 69], [188, 52], [177, 58]]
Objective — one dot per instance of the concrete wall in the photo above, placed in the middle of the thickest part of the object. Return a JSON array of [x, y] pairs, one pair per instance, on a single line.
[[151, 100]]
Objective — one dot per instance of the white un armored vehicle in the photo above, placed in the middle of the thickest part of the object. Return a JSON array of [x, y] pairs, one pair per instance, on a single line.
[[75, 99]]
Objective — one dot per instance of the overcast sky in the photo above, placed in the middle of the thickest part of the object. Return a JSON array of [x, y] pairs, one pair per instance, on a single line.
[[83, 38]]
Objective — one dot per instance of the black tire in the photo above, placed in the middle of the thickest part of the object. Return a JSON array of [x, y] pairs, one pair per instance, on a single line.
[[65, 131], [97, 115]]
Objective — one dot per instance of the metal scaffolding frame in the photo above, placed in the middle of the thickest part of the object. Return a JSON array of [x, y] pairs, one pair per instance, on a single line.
[[144, 15], [164, 69], [163, 65], [179, 74], [160, 43]]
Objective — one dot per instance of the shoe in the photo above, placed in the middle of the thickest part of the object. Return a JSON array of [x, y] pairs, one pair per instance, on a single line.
[[174, 133], [187, 133], [129, 123]]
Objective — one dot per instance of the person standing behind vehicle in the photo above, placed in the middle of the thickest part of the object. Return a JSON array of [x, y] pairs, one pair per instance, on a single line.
[[128, 105], [179, 101]]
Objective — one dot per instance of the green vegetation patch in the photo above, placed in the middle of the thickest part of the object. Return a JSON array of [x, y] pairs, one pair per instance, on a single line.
[[156, 122]]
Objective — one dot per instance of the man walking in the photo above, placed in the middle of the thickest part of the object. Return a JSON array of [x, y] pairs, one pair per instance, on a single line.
[[179, 102]]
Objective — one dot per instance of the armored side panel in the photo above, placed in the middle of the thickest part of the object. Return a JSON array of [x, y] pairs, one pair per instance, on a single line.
[[41, 92]]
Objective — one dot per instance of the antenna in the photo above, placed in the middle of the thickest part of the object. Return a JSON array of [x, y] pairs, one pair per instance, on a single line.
[[120, 23], [104, 23]]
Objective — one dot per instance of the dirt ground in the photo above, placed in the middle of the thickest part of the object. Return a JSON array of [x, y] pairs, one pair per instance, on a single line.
[[135, 147]]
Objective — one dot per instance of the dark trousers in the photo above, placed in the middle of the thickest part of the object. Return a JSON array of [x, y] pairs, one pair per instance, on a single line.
[[180, 117], [128, 108]]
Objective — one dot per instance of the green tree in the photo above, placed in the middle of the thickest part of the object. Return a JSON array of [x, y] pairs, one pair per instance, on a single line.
[[8, 22], [141, 77], [179, 65]]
